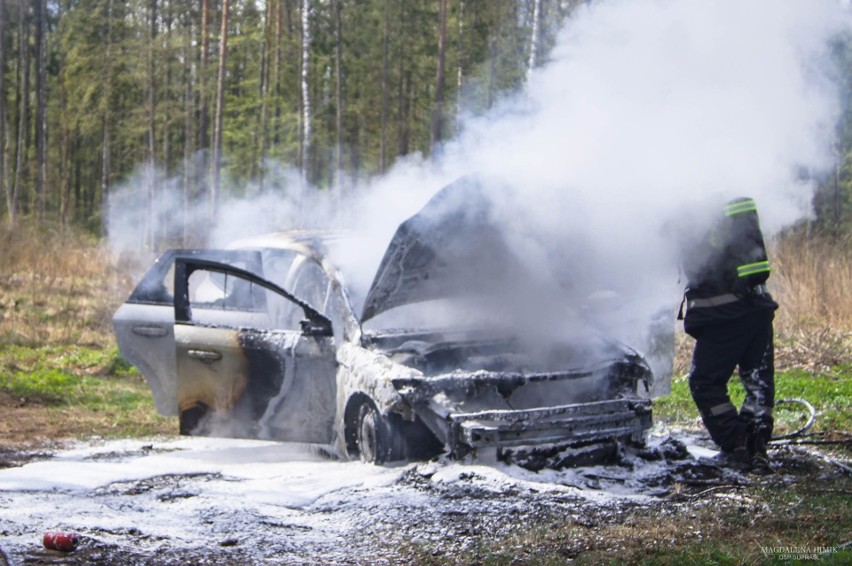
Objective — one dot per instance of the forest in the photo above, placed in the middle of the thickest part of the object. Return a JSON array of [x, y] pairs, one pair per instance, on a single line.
[[212, 92], [201, 113]]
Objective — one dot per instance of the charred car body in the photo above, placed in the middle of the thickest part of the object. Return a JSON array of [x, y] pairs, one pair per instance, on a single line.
[[262, 341]]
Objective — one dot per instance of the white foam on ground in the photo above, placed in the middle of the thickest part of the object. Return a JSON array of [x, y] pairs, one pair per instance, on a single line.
[[179, 491]]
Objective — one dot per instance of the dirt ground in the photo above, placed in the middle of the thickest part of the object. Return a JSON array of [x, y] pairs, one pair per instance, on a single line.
[[27, 425]]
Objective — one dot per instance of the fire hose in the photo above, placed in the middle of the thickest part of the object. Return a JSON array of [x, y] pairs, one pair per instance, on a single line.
[[788, 439], [812, 414], [806, 427]]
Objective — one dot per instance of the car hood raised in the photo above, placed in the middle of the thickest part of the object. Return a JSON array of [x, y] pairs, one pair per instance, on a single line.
[[452, 247]]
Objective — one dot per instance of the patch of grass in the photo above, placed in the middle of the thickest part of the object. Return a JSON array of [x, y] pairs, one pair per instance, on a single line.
[[59, 287], [47, 386], [763, 518], [73, 375], [811, 302], [677, 408], [830, 392], [60, 388], [88, 360], [80, 390]]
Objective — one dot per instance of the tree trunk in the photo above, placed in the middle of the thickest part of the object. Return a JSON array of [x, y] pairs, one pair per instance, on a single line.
[[41, 107], [438, 112], [23, 98], [220, 113], [166, 88], [265, 78], [276, 72], [188, 128], [838, 201], [463, 61], [338, 66], [77, 172], [535, 38], [106, 165], [402, 91], [3, 186], [203, 92], [152, 117], [106, 148], [492, 70], [383, 150], [306, 94], [65, 156]]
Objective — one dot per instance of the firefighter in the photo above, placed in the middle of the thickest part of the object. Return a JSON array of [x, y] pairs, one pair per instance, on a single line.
[[729, 312]]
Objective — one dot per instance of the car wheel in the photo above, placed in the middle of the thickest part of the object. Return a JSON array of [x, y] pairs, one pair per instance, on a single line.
[[372, 435]]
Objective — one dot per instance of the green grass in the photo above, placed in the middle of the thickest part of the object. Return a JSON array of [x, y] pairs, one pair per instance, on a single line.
[[81, 389], [830, 392], [69, 375], [60, 388]]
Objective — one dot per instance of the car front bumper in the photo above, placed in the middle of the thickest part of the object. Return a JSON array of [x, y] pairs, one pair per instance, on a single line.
[[468, 412], [566, 424]]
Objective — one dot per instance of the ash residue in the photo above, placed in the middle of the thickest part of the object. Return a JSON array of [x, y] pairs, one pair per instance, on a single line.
[[165, 487], [11, 457]]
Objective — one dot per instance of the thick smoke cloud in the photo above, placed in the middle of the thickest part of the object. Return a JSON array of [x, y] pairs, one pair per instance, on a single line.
[[651, 102], [650, 113], [656, 110]]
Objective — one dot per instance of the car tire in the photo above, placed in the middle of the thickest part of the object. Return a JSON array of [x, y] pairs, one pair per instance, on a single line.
[[376, 440]]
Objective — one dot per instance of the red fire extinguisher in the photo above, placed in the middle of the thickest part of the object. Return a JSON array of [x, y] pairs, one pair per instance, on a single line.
[[58, 540]]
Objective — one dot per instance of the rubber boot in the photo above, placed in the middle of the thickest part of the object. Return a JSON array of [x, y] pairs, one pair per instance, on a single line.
[[759, 435]]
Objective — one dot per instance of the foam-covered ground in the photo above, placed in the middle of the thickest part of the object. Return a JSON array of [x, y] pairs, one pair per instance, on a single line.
[[178, 500]]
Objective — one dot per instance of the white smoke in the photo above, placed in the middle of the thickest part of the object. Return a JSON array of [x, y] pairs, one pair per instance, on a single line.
[[651, 114], [651, 105], [649, 111]]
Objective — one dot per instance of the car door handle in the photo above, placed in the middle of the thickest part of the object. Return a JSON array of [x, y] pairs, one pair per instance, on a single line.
[[205, 355], [150, 331]]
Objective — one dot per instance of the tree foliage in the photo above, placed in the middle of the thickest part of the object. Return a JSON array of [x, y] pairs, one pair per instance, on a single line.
[[128, 82]]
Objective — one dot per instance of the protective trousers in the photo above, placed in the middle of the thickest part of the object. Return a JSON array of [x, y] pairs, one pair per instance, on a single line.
[[747, 342]]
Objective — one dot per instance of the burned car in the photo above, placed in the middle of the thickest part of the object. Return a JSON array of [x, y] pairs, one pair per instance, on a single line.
[[262, 341]]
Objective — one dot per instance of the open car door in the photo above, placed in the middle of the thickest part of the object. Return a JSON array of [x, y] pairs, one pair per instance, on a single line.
[[253, 361], [144, 323]]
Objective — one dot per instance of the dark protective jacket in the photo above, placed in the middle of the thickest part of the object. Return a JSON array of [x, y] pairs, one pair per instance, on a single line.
[[726, 269]]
